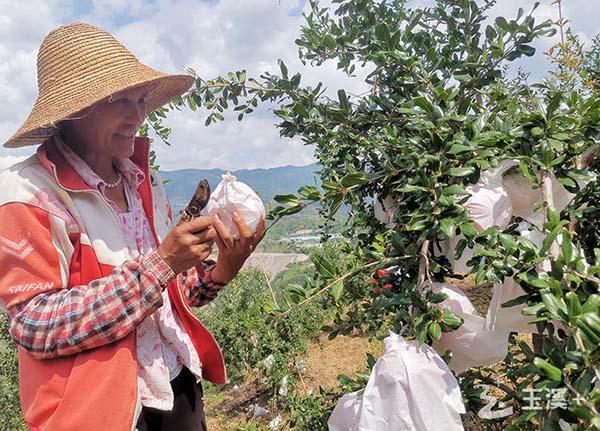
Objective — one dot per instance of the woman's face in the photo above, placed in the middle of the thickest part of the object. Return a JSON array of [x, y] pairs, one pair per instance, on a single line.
[[110, 126]]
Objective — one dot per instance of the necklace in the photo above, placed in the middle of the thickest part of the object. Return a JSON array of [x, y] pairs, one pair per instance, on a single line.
[[116, 183]]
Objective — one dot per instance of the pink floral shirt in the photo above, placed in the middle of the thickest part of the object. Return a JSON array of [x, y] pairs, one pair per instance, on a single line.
[[163, 346]]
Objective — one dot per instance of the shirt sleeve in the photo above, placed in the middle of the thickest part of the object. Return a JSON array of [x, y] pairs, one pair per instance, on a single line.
[[49, 320], [198, 285], [69, 321]]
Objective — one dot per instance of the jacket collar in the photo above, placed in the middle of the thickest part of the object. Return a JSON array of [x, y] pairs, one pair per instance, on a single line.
[[68, 178]]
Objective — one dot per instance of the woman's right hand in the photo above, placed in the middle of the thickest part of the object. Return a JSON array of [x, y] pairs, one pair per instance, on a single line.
[[188, 244]]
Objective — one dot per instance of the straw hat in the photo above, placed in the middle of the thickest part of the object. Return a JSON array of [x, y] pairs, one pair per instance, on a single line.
[[78, 65]]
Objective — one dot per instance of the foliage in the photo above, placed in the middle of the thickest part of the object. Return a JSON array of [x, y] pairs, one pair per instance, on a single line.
[[239, 321], [10, 414], [439, 110], [309, 412]]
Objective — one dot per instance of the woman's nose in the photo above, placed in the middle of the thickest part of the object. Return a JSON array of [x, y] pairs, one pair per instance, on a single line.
[[137, 113]]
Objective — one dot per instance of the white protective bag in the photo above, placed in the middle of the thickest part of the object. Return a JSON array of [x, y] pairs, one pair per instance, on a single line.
[[232, 196], [511, 318], [472, 345], [495, 198], [410, 389], [526, 197], [384, 210], [490, 204]]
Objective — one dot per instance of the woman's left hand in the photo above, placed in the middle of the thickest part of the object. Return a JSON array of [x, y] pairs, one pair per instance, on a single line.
[[233, 253]]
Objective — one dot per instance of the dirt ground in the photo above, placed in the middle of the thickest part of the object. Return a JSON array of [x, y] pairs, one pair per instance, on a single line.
[[229, 409]]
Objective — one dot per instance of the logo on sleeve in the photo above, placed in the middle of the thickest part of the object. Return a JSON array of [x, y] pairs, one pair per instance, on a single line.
[[20, 249]]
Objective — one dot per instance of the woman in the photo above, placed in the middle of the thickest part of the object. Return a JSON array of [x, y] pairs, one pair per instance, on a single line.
[[97, 284]]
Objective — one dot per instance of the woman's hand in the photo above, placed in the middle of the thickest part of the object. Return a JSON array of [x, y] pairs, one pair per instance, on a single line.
[[233, 253], [188, 244]]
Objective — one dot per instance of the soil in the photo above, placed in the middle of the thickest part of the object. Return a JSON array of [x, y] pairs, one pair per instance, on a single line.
[[230, 408]]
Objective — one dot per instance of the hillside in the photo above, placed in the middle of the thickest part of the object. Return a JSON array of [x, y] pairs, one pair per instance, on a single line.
[[266, 182]]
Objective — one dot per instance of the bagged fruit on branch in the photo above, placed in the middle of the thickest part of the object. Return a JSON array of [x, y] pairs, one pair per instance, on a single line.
[[232, 196], [473, 344], [404, 385]]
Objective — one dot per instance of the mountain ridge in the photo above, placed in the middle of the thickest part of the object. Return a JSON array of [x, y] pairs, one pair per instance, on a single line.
[[267, 182]]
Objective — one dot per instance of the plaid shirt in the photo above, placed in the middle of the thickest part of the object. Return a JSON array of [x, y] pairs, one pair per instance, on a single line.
[[68, 321]]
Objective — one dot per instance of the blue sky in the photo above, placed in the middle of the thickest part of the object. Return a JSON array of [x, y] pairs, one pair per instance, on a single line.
[[213, 37]]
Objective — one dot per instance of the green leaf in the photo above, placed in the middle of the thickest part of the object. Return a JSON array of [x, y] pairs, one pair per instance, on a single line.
[[527, 172], [453, 320], [554, 104], [454, 189], [382, 31], [283, 68], [354, 179], [573, 304], [324, 266], [462, 172], [343, 98], [424, 104], [296, 292], [567, 181], [458, 148], [553, 217], [416, 225], [329, 42], [292, 210], [271, 307], [502, 24], [287, 199], [526, 50], [554, 305], [589, 323], [515, 301], [463, 78], [436, 298], [468, 230], [549, 370], [435, 331], [566, 246], [508, 241], [331, 186], [537, 282], [336, 204], [408, 111], [309, 192], [592, 304], [549, 240], [410, 188], [337, 289], [448, 227], [490, 33]]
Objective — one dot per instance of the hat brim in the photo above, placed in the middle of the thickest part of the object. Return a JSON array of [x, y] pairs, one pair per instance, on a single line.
[[45, 115]]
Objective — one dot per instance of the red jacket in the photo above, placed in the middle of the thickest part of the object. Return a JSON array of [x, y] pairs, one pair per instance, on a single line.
[[42, 249]]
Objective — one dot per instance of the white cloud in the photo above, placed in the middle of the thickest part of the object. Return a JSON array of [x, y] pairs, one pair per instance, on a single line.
[[22, 27], [252, 143], [213, 37]]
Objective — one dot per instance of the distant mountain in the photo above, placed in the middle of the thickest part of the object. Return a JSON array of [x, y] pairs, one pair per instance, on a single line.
[[266, 182]]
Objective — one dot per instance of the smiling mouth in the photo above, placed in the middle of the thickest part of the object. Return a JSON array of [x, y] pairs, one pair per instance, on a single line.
[[126, 135]]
